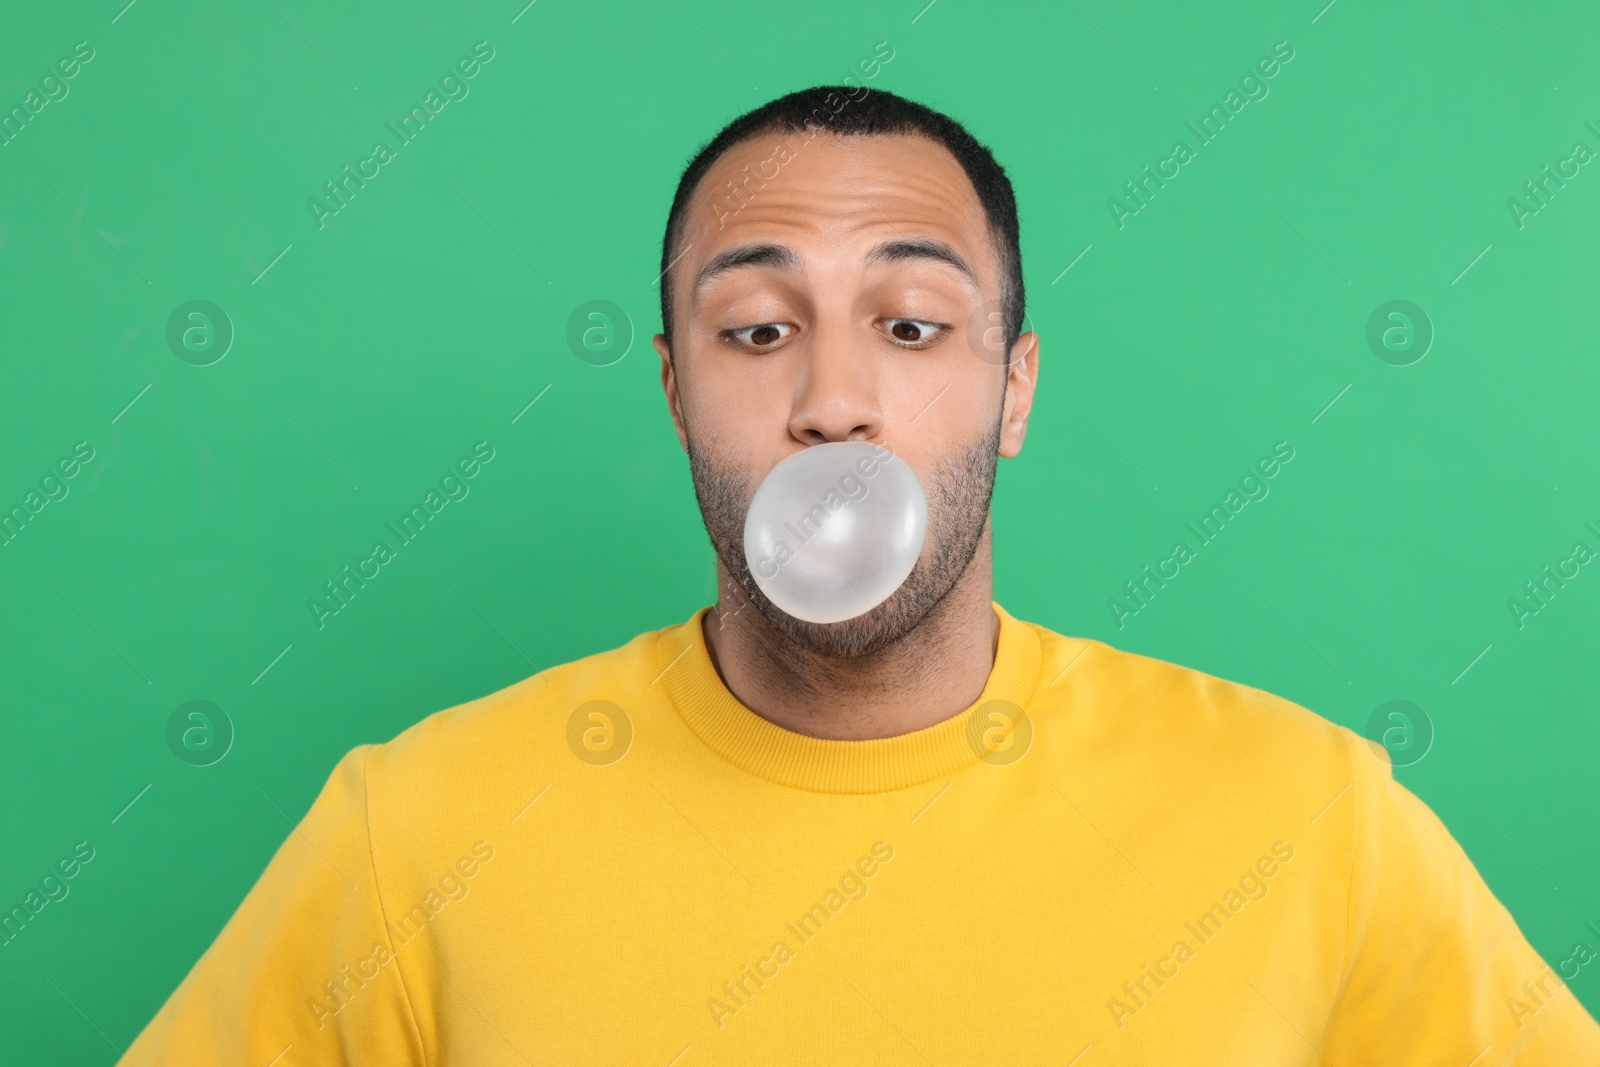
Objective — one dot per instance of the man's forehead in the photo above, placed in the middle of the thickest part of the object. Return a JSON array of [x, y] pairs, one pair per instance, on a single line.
[[864, 187]]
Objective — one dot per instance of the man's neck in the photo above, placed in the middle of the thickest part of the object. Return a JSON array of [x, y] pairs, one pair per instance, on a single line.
[[933, 673]]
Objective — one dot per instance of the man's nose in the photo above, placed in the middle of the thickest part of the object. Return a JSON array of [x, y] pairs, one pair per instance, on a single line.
[[838, 394]]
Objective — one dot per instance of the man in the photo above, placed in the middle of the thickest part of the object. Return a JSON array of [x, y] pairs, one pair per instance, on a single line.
[[934, 833]]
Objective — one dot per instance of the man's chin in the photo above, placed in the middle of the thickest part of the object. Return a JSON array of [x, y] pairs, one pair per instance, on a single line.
[[958, 490], [866, 634]]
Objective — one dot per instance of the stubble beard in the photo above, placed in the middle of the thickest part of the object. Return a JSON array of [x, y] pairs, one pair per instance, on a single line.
[[958, 491]]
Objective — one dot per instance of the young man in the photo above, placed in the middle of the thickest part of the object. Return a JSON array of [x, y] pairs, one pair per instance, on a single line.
[[934, 833]]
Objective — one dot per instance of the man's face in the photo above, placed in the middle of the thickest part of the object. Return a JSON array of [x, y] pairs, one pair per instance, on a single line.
[[838, 324]]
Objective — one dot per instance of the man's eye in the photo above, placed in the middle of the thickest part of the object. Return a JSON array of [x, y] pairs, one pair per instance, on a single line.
[[913, 332], [764, 336]]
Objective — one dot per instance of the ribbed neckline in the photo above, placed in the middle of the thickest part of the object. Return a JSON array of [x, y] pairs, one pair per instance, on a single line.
[[876, 765]]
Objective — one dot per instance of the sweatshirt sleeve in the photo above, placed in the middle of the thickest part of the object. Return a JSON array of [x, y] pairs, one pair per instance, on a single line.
[[1436, 970], [304, 972]]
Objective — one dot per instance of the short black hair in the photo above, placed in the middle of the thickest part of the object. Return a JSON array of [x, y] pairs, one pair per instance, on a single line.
[[833, 109]]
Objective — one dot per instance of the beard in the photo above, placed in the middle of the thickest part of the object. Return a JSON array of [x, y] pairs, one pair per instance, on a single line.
[[958, 491]]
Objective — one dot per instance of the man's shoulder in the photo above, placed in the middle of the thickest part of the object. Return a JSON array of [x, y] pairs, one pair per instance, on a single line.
[[524, 720], [1139, 703]]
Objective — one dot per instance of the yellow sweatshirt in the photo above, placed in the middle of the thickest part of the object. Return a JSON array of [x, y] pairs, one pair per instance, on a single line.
[[1108, 859]]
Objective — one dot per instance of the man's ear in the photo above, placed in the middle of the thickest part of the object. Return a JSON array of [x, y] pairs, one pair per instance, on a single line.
[[669, 386], [1022, 376]]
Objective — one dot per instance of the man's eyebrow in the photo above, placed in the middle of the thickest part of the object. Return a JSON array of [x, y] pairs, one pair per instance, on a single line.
[[780, 257], [777, 257], [921, 248]]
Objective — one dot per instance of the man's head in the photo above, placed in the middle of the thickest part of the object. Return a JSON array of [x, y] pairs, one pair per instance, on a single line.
[[847, 267]]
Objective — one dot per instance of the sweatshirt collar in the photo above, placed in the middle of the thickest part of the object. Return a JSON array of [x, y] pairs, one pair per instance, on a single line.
[[824, 765]]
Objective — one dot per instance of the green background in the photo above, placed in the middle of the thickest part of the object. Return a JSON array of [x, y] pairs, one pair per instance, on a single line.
[[1224, 317]]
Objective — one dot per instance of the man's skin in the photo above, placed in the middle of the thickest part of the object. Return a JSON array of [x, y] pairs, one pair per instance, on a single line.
[[827, 367]]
